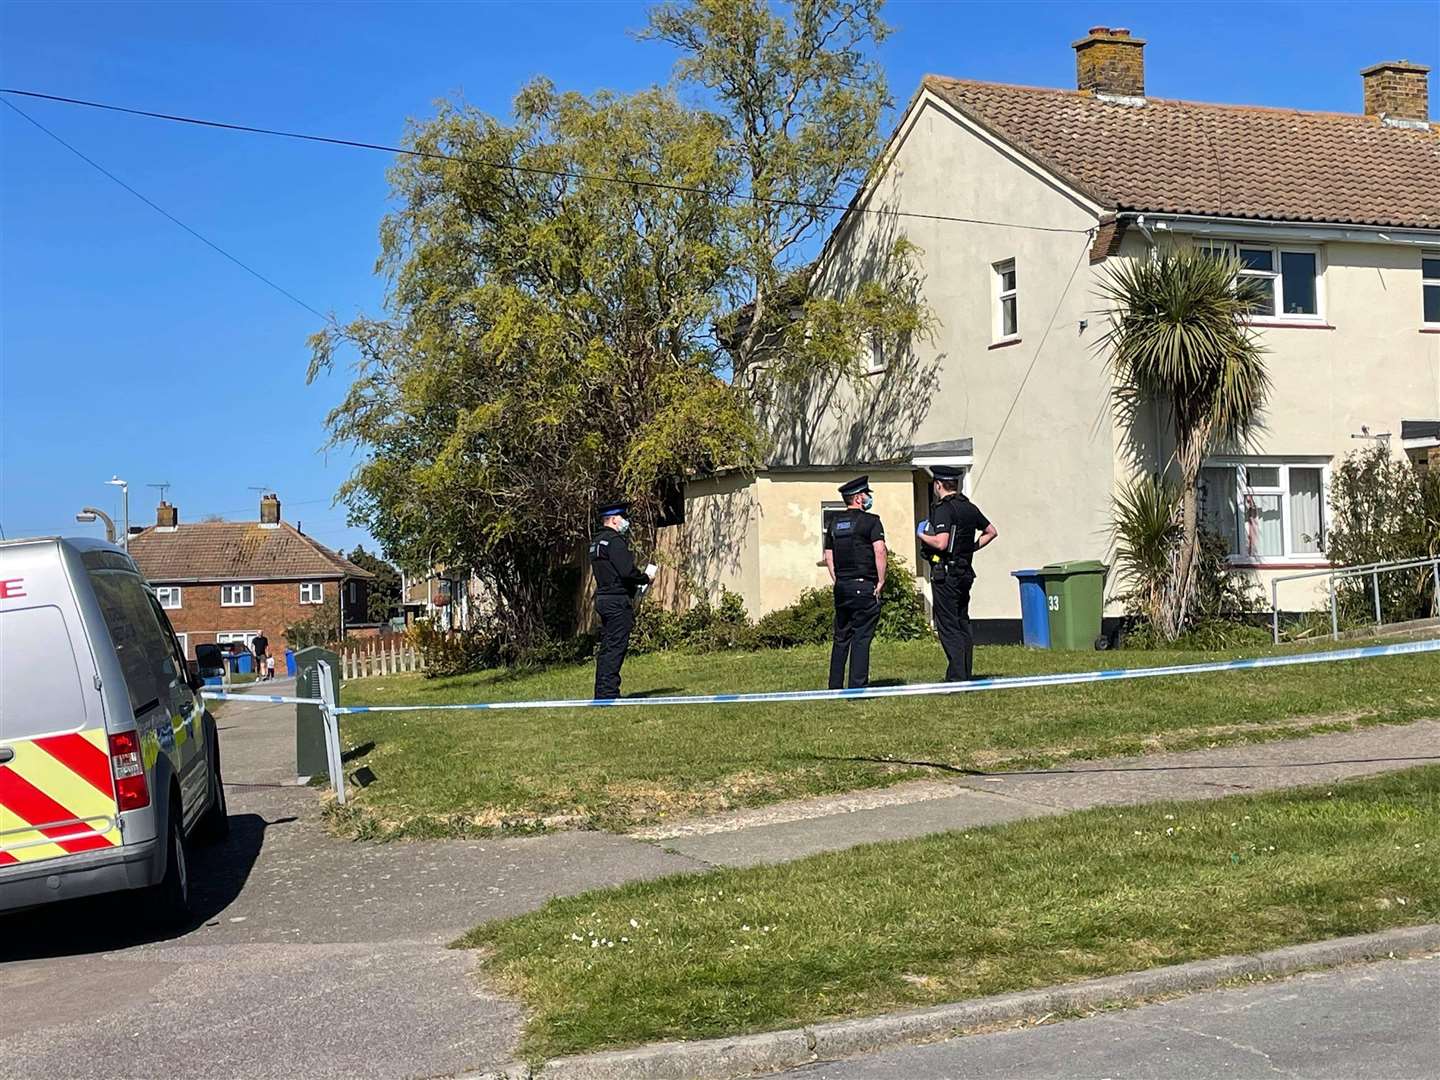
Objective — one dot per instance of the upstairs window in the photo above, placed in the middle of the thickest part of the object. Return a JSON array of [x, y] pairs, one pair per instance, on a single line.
[[1284, 282], [1266, 510], [169, 596], [312, 592], [1007, 317], [237, 595], [1430, 285]]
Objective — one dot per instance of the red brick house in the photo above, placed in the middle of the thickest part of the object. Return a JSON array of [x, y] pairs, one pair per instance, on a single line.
[[225, 581]]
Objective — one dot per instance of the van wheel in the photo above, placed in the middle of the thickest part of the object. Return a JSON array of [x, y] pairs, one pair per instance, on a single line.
[[214, 827], [167, 904]]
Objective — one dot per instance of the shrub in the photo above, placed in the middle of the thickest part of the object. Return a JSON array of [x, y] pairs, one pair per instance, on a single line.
[[704, 627], [811, 618], [322, 627], [1383, 510], [456, 652]]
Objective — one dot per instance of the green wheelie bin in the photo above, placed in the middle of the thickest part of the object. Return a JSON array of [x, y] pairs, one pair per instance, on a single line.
[[1075, 597]]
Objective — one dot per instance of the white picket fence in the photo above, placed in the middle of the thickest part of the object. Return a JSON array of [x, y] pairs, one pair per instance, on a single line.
[[379, 658]]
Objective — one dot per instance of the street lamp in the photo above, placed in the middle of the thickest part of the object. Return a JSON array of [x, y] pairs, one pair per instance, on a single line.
[[90, 514], [124, 487]]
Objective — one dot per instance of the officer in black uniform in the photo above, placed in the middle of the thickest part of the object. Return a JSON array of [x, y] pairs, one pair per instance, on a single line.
[[950, 539], [617, 581], [855, 556]]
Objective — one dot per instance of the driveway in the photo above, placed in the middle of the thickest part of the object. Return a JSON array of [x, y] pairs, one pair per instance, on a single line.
[[311, 955]]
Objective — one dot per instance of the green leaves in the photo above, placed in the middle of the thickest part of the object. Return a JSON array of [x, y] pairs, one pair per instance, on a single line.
[[1178, 337]]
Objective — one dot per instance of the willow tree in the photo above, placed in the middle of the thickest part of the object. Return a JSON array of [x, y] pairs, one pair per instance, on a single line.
[[800, 96], [1179, 338], [548, 338], [556, 282]]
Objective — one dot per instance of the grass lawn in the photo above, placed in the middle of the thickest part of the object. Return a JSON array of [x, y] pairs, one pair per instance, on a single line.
[[959, 915], [449, 774]]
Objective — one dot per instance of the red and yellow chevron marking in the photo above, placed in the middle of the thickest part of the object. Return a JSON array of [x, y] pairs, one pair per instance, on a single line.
[[57, 798]]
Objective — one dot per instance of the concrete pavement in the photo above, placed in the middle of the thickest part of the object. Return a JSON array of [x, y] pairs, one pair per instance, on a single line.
[[963, 800], [1379, 1019]]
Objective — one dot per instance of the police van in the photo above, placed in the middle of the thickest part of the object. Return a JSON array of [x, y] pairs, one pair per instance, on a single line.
[[109, 760]]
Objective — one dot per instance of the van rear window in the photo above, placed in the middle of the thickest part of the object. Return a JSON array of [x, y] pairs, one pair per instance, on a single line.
[[40, 689], [137, 637]]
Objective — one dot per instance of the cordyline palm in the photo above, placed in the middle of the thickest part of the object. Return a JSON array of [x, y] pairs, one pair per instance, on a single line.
[[1179, 337]]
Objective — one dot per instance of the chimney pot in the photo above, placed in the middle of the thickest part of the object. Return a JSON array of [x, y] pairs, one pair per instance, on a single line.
[[167, 517], [270, 511], [1110, 61], [1397, 90]]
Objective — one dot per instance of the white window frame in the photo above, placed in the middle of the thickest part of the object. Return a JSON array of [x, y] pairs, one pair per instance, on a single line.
[[169, 596], [312, 592], [999, 294], [1232, 248], [184, 640], [827, 507], [876, 362], [1283, 465], [1428, 283], [248, 591], [245, 637]]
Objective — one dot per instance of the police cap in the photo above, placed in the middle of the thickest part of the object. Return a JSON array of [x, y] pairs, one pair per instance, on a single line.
[[854, 487], [948, 473], [610, 507]]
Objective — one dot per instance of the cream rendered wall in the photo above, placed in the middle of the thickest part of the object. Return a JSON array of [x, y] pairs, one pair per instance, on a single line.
[[790, 528], [720, 540], [1038, 410], [1367, 364]]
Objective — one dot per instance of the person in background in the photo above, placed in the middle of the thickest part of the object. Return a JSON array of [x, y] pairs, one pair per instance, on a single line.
[[617, 581], [260, 646], [855, 557], [955, 530]]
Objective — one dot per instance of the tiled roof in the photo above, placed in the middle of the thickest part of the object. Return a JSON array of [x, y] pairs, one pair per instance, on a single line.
[[1223, 160], [236, 551]]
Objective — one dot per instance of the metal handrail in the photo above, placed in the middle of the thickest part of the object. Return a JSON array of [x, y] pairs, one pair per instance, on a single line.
[[1371, 570]]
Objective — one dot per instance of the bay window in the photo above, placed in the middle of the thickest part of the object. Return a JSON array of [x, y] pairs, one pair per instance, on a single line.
[[1266, 510]]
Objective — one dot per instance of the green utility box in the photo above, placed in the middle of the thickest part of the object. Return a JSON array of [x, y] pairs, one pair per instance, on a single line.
[[1075, 597], [310, 756]]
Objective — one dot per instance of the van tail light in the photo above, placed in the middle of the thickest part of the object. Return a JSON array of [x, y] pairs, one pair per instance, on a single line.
[[131, 791]]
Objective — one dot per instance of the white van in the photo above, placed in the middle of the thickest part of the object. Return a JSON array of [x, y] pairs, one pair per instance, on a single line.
[[109, 760]]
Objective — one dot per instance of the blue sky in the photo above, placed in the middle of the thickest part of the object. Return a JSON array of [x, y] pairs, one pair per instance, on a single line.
[[127, 346]]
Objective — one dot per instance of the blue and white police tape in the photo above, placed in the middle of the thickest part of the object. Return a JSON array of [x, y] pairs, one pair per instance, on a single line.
[[1014, 682], [264, 699]]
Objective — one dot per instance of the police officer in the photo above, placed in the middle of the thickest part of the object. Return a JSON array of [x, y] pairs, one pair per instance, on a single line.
[[855, 556], [950, 538], [617, 581]]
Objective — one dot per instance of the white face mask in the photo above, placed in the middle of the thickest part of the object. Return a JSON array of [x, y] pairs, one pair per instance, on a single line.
[[866, 501], [622, 525]]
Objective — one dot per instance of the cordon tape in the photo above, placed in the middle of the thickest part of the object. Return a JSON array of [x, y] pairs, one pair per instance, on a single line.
[[1012, 682]]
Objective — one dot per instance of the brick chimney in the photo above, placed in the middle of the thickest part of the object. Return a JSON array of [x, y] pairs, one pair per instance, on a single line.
[[1110, 61], [1398, 90], [167, 517], [269, 512]]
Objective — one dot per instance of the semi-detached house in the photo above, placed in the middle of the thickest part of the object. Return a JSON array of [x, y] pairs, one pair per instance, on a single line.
[[1023, 197], [230, 581]]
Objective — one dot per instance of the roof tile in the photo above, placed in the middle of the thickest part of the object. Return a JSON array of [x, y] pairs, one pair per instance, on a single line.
[[1184, 157], [236, 551]]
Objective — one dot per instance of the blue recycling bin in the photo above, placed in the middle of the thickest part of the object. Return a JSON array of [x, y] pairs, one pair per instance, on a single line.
[[1034, 612], [290, 662], [241, 663]]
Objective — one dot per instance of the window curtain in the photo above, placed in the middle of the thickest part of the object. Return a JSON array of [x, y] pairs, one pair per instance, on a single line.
[[1305, 511], [1217, 504]]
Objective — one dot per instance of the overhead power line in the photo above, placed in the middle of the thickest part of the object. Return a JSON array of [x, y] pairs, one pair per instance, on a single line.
[[166, 213], [566, 174]]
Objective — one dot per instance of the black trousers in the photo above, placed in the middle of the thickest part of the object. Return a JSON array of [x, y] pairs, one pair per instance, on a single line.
[[617, 617], [952, 620], [857, 611]]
